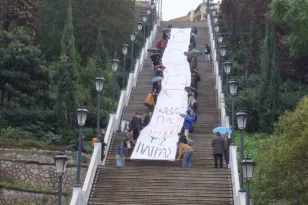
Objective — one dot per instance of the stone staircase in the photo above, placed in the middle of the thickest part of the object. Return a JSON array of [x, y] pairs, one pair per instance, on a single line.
[[144, 182]]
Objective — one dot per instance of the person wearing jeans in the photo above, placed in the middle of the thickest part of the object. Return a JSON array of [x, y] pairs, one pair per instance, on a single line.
[[186, 151], [120, 154]]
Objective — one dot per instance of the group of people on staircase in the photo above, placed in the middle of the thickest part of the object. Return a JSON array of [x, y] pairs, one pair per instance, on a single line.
[[185, 149]]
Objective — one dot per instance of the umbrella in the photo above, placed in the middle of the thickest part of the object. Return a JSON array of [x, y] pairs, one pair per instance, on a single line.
[[187, 117], [159, 66], [153, 50], [222, 130], [194, 52], [155, 79]]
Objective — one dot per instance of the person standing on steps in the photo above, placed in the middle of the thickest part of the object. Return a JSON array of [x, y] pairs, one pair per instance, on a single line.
[[186, 151], [207, 53], [192, 102], [192, 41], [227, 143], [147, 119], [218, 149], [120, 154], [194, 31], [136, 125], [149, 101]]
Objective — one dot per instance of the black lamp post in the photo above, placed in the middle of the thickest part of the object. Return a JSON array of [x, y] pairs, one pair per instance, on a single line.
[[233, 85], [61, 162], [222, 51], [81, 118], [241, 123], [139, 27], [149, 19], [248, 167], [227, 69], [124, 52], [132, 38], [152, 8], [114, 68], [144, 19], [99, 84]]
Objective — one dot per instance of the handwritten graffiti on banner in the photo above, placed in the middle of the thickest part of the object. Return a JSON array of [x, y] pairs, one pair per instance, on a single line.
[[158, 140]]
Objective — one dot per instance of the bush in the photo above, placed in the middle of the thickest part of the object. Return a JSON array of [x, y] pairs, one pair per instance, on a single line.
[[281, 172]]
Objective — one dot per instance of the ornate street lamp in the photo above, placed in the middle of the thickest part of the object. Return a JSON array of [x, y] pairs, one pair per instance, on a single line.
[[248, 167], [61, 162], [81, 119], [213, 11], [227, 69], [215, 19], [241, 123], [220, 38], [150, 19], [152, 6], [216, 27], [233, 85], [144, 19], [124, 52], [223, 51], [114, 68], [132, 38], [139, 27], [99, 84]]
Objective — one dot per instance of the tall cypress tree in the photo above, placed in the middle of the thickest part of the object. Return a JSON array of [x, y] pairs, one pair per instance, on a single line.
[[269, 83], [66, 99]]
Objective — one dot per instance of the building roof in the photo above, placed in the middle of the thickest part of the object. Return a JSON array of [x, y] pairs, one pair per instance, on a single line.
[[197, 15]]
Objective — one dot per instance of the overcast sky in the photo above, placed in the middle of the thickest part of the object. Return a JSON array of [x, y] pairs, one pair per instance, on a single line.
[[177, 8]]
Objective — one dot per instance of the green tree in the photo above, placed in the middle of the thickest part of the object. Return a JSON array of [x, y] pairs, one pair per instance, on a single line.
[[269, 88], [19, 13], [281, 173], [52, 16], [24, 81], [67, 77], [294, 14]]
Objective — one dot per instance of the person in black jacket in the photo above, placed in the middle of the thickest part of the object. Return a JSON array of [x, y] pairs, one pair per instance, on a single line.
[[157, 88], [147, 119], [194, 31], [136, 125], [192, 41]]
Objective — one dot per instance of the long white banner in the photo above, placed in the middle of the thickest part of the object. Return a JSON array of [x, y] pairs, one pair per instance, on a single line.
[[158, 140]]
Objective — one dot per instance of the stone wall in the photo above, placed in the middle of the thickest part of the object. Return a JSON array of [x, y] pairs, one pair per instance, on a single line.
[[13, 197], [38, 168]]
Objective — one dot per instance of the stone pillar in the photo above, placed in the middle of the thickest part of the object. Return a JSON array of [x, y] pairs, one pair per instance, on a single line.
[[203, 10], [192, 15]]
